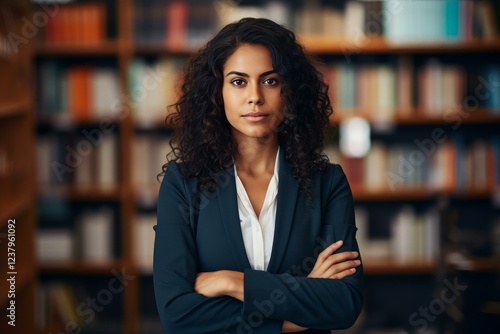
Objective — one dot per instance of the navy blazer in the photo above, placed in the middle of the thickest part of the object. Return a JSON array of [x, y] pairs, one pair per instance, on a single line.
[[201, 233]]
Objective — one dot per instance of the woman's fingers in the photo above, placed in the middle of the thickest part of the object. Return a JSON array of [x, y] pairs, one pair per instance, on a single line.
[[334, 259], [341, 270], [329, 251], [330, 265]]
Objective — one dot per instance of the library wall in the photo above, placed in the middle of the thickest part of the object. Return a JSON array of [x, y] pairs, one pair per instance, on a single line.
[[415, 87]]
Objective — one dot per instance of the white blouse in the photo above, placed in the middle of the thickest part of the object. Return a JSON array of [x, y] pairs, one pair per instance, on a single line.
[[258, 233]]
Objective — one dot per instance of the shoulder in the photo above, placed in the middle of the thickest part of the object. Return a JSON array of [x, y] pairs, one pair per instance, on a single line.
[[333, 180], [173, 178], [333, 173]]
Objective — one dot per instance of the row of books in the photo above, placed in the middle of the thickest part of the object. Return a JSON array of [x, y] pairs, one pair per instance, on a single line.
[[440, 20], [447, 166], [175, 24], [89, 159], [152, 86], [412, 236], [91, 240], [384, 91], [181, 24], [380, 92], [77, 92], [75, 24]]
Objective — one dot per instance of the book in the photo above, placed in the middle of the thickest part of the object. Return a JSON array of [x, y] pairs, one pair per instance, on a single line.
[[77, 92], [81, 24], [176, 16], [95, 231], [55, 245]]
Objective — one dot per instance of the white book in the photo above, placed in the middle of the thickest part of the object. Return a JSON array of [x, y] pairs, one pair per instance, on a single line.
[[96, 235], [402, 234], [105, 91], [354, 20], [107, 155], [55, 245], [279, 12]]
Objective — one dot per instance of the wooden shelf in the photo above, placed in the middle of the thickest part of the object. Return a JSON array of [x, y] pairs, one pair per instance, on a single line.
[[422, 117], [420, 193], [159, 50], [67, 122], [376, 266], [83, 193], [417, 193], [380, 45], [478, 264], [80, 267], [14, 109], [109, 48]]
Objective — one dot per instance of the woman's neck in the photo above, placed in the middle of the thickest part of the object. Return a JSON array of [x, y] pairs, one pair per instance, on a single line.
[[256, 156]]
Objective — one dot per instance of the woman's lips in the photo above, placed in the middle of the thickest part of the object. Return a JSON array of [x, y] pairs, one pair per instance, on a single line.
[[255, 116]]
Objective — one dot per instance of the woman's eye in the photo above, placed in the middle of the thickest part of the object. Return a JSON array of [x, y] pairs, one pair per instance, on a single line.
[[237, 82], [270, 81]]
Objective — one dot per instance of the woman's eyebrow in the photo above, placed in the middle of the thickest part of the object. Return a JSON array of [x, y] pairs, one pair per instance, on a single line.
[[242, 74]]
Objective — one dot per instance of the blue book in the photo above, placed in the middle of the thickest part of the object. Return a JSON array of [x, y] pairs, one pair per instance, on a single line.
[[452, 19], [491, 86]]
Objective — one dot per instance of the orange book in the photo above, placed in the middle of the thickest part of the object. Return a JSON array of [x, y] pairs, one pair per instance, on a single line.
[[79, 92], [96, 24]]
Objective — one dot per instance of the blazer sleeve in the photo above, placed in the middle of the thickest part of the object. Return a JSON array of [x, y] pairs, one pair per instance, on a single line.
[[180, 308], [314, 302]]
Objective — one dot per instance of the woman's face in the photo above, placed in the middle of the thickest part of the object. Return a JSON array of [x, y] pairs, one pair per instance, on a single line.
[[251, 91]]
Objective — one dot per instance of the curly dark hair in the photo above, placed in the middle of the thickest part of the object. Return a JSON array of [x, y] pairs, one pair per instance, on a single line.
[[202, 138]]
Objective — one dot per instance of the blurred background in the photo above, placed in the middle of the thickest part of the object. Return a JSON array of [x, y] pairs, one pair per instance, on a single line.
[[84, 87]]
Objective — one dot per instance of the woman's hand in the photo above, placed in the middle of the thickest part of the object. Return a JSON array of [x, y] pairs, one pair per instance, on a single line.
[[220, 283], [336, 266], [290, 327]]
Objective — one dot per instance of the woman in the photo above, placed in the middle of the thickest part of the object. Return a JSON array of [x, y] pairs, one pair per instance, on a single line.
[[256, 229]]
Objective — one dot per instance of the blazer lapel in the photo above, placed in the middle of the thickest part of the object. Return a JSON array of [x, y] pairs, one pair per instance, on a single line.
[[287, 198], [228, 204]]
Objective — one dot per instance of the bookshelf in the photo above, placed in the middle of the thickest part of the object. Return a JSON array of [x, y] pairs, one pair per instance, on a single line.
[[17, 200], [139, 131]]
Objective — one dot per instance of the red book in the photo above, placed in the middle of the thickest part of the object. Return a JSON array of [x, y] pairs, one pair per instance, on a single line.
[[176, 18]]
